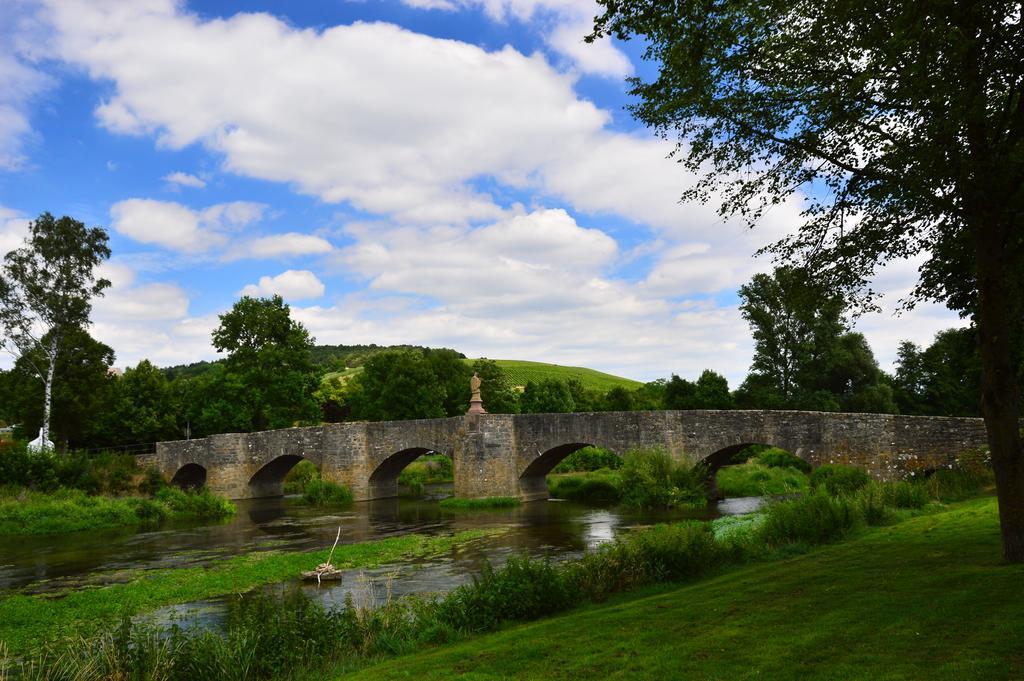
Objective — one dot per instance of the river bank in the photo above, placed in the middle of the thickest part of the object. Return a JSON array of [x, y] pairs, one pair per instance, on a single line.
[[27, 619], [925, 598], [270, 626]]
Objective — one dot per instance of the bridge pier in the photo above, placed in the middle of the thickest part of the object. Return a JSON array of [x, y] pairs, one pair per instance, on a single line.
[[511, 454]]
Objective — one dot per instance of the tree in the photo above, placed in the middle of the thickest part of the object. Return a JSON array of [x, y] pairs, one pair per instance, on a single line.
[[943, 379], [46, 289], [902, 123], [497, 395], [78, 400], [268, 379], [712, 391], [680, 393], [804, 356], [142, 408], [548, 396], [793, 321], [453, 375], [397, 385]]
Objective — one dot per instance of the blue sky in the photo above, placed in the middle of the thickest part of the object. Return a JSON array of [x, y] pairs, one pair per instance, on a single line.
[[445, 172]]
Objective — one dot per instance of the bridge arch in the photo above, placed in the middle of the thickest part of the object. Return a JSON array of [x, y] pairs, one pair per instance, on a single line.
[[383, 481], [190, 476], [723, 457], [533, 483], [268, 481]]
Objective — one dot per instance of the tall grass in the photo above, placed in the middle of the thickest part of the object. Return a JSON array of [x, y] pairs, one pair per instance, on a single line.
[[652, 479], [482, 504], [754, 479], [325, 493], [601, 487], [26, 512], [839, 479]]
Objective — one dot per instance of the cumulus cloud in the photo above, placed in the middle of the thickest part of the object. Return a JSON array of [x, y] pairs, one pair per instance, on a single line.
[[13, 230], [21, 81], [290, 284], [177, 227], [413, 130], [384, 118], [565, 23], [287, 245], [181, 179]]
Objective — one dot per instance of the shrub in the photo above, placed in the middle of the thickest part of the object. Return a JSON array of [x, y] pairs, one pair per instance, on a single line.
[[152, 482], [524, 588], [959, 482], [815, 518], [838, 479], [597, 487], [150, 512], [747, 453], [774, 457], [194, 504], [651, 479], [589, 459], [300, 476], [325, 493]]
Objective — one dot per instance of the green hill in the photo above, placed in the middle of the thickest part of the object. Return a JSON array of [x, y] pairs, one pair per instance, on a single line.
[[520, 372]]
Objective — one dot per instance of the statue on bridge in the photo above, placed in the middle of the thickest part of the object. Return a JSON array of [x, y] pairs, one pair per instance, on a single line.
[[476, 405]]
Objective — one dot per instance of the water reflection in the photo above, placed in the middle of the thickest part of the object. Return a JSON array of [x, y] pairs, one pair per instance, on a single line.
[[39, 564]]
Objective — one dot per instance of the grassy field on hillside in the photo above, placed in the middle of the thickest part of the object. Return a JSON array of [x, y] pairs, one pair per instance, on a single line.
[[520, 372], [927, 598]]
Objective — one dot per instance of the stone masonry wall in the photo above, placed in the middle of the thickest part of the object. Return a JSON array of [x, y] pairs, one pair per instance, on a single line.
[[509, 455]]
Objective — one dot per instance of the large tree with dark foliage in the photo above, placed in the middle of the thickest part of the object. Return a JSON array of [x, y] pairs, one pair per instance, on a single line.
[[268, 378], [902, 123], [805, 357]]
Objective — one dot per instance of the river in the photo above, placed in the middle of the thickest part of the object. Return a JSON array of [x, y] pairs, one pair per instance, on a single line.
[[554, 528]]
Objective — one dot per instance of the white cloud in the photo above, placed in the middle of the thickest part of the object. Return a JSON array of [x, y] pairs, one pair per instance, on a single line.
[[392, 121], [564, 24], [185, 180], [13, 230], [177, 227], [21, 82], [290, 284], [286, 245], [409, 129]]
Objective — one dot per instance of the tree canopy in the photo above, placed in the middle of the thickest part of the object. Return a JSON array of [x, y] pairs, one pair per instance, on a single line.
[[268, 378], [901, 128]]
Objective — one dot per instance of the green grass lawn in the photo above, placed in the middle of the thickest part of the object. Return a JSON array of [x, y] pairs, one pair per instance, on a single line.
[[925, 599]]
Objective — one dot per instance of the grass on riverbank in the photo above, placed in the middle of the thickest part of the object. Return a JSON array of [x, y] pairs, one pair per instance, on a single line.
[[925, 598], [429, 469], [27, 512], [486, 503], [27, 620], [754, 480]]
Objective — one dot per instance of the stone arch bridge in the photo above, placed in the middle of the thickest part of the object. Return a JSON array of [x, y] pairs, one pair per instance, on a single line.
[[509, 455]]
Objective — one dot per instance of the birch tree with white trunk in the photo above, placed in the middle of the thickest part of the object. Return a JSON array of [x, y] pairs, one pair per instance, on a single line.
[[46, 289]]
